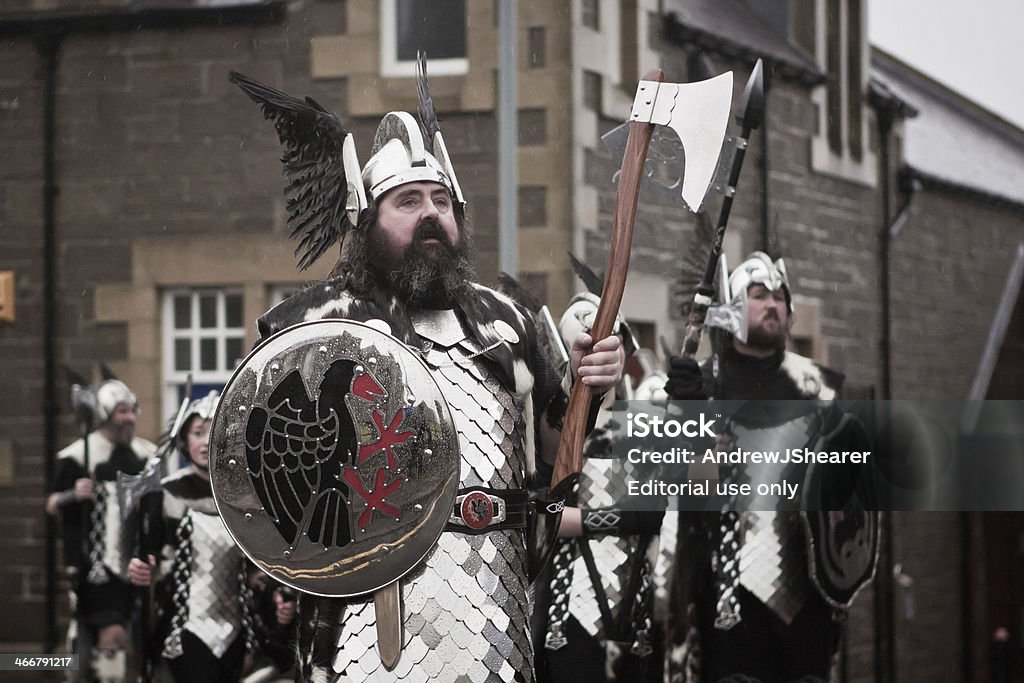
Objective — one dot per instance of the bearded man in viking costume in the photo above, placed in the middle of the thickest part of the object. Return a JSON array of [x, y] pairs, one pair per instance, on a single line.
[[745, 606], [406, 268], [84, 495]]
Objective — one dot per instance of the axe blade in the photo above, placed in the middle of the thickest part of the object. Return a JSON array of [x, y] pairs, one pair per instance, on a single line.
[[132, 487], [699, 114]]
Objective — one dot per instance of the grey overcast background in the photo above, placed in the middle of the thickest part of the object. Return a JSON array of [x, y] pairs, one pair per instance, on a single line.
[[972, 46]]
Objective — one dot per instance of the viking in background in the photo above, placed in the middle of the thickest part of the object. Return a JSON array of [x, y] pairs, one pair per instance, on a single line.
[[406, 268], [206, 605], [745, 605], [84, 495]]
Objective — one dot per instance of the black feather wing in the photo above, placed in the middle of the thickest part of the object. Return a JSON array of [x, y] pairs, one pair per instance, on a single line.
[[593, 281], [515, 290], [427, 113], [316, 189]]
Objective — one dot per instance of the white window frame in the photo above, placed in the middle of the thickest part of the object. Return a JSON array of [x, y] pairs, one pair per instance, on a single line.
[[390, 65], [174, 379]]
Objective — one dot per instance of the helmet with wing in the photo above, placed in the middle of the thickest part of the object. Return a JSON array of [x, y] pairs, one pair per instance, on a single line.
[[327, 190]]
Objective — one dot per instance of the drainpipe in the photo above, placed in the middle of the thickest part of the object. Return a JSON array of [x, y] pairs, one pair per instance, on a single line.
[[886, 116], [888, 108], [48, 45], [508, 143]]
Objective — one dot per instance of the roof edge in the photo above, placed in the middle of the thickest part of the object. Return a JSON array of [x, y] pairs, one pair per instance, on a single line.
[[909, 173], [787, 69], [40, 23]]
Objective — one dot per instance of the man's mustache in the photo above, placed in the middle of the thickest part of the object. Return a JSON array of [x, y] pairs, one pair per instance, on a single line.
[[431, 229]]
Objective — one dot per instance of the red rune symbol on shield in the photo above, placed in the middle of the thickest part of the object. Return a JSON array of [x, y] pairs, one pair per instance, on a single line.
[[388, 437], [374, 498]]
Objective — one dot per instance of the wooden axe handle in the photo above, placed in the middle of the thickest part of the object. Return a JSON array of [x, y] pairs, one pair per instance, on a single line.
[[570, 448]]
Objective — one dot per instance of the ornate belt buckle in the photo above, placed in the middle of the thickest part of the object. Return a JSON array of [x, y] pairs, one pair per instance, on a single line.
[[478, 510]]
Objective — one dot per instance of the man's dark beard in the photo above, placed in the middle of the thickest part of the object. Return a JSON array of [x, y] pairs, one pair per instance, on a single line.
[[758, 338], [428, 275], [122, 435]]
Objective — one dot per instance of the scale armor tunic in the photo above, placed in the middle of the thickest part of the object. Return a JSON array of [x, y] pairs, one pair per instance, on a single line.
[[603, 484], [466, 609], [207, 571]]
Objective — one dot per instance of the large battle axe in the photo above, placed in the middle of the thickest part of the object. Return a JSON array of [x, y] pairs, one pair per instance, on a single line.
[[698, 113], [750, 116]]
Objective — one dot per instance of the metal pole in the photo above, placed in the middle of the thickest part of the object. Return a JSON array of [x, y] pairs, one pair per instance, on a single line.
[[766, 227], [508, 144]]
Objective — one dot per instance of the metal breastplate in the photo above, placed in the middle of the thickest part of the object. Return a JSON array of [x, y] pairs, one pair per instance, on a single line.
[[466, 609], [214, 613]]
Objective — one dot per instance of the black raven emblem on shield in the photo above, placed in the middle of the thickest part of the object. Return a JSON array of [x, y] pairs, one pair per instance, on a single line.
[[297, 449]]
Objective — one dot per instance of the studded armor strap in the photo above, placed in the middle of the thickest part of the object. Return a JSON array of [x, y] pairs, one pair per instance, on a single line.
[[97, 534], [180, 573], [728, 569], [251, 621], [561, 583]]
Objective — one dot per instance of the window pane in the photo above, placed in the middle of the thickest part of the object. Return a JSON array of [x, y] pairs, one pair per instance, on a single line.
[[233, 351], [182, 312], [233, 310], [533, 206], [208, 310], [833, 84], [591, 14], [438, 27], [533, 127], [207, 354], [592, 90], [854, 102], [536, 55], [183, 354]]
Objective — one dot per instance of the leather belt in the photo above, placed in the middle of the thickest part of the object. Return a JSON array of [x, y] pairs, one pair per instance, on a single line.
[[480, 510]]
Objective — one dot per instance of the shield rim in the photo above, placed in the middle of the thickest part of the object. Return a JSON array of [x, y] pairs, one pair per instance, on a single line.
[[812, 564], [452, 482]]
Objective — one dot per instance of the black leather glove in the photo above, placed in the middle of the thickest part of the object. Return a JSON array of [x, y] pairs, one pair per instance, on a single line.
[[685, 380]]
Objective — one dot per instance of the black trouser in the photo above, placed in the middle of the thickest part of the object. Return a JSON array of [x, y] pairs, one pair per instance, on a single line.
[[106, 604], [764, 647], [584, 659], [198, 665]]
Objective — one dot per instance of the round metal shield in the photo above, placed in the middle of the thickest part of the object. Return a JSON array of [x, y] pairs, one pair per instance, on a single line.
[[334, 459]]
